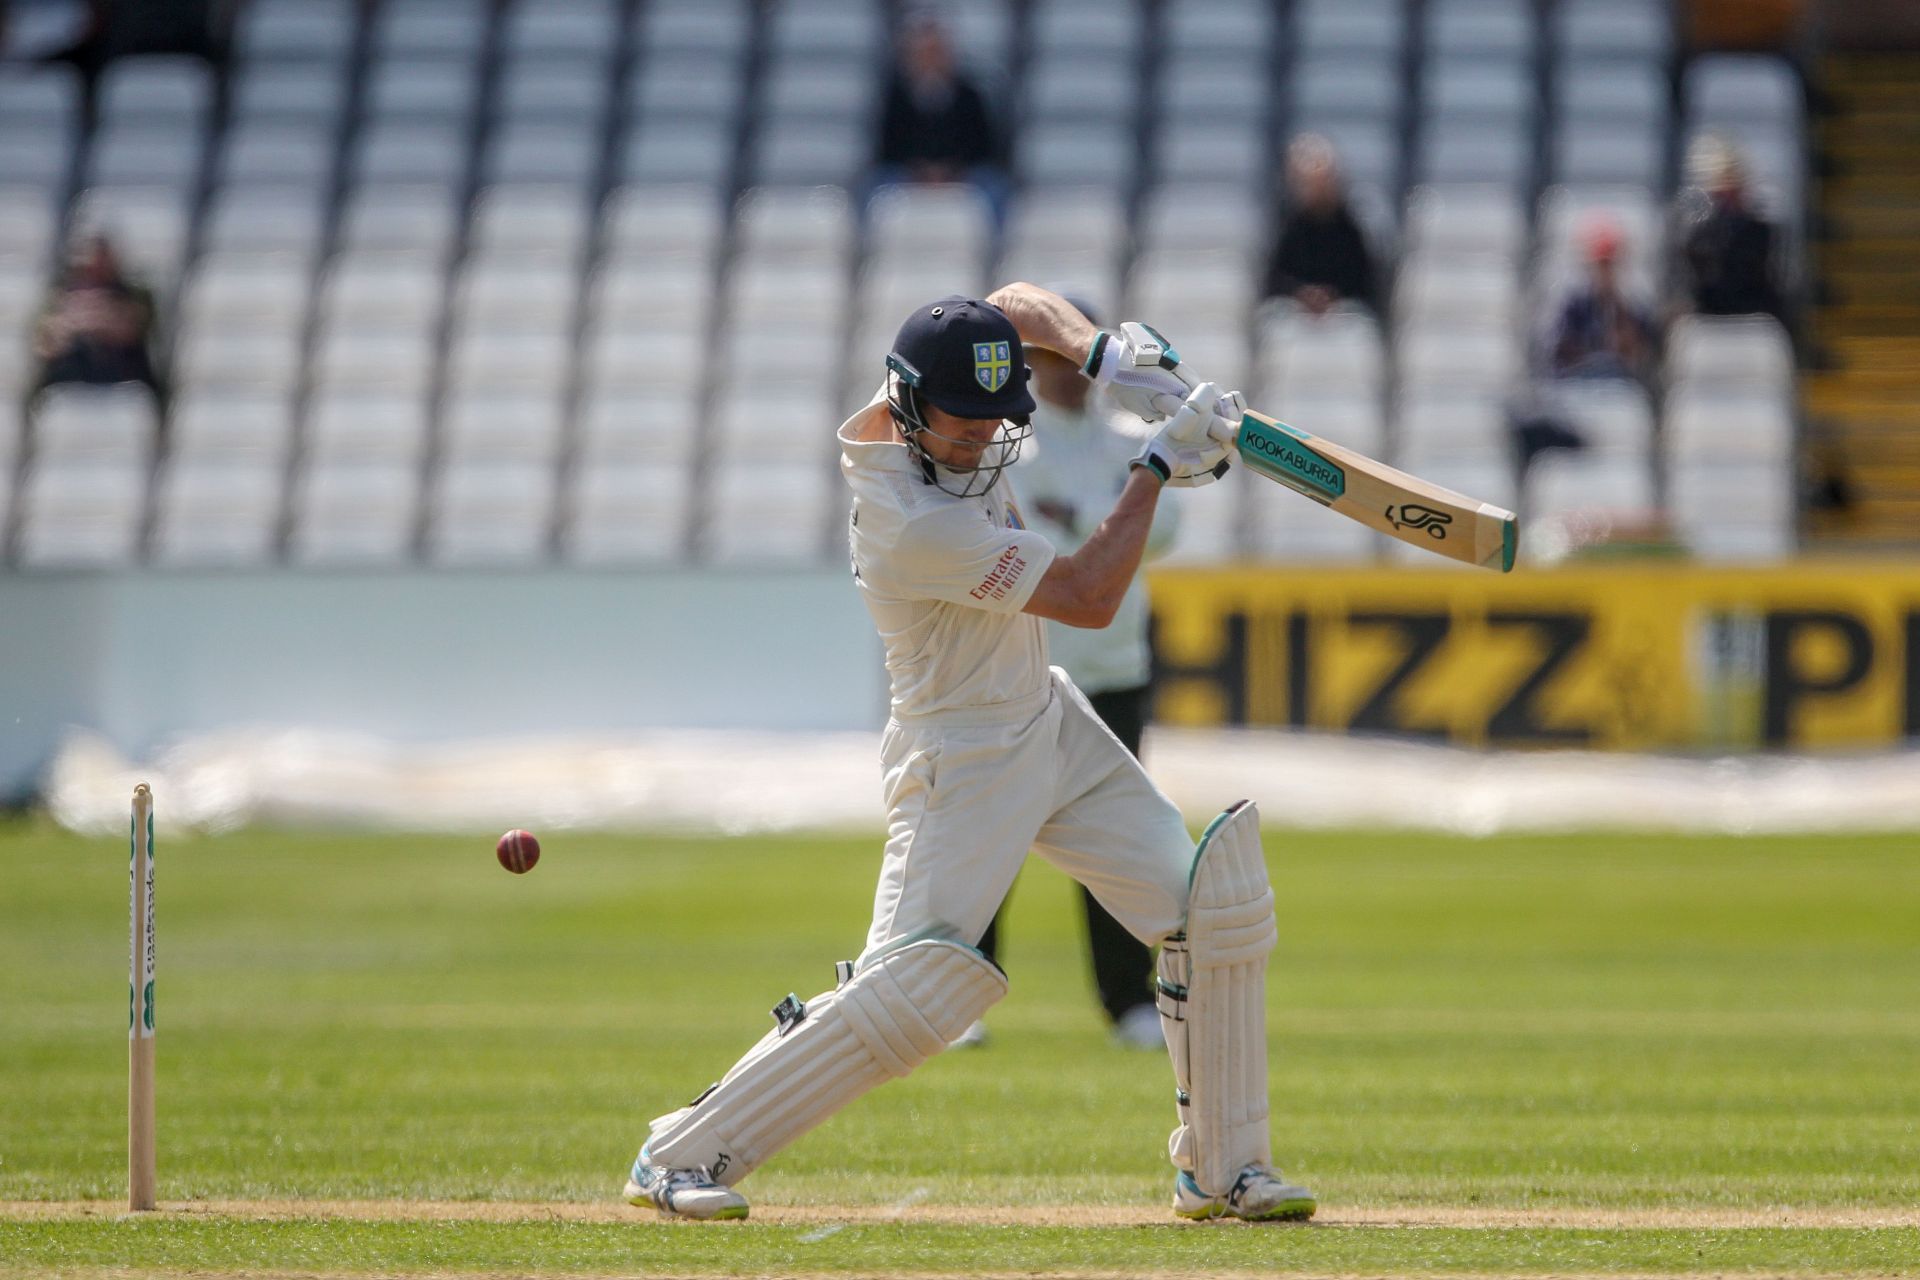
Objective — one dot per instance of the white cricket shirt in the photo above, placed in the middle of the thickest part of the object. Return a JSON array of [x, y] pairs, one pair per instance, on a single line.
[[1079, 461], [945, 579]]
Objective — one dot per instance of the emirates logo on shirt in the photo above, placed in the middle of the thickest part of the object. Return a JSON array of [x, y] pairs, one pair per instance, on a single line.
[[1000, 579]]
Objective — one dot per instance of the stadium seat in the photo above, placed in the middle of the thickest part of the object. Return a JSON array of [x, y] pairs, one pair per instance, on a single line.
[[238, 290], [296, 93], [547, 223], [1368, 26], [1113, 28], [538, 360], [1455, 27], [81, 513], [627, 513], [1068, 87], [1731, 353], [907, 222], [706, 88], [642, 422], [382, 292], [1070, 153], [478, 425], [295, 156], [1455, 290], [541, 151], [1339, 351], [1561, 484], [511, 294], [788, 226], [412, 218], [1640, 29], [354, 513], [288, 31], [675, 27], [408, 152], [173, 92], [216, 512], [822, 88], [1347, 85], [109, 423], [264, 219], [422, 90], [804, 152], [677, 152], [811, 28], [401, 361], [572, 27], [265, 360], [1206, 28], [1728, 424], [445, 28], [762, 513], [1451, 424], [1611, 416], [779, 423], [1472, 219], [1233, 221], [571, 91], [643, 221], [139, 154], [1734, 511], [345, 425], [216, 423]]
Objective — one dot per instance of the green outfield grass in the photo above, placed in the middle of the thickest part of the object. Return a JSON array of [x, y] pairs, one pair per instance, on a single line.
[[1559, 1024]]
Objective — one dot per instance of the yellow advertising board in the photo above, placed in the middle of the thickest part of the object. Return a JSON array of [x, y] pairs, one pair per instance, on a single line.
[[1644, 656]]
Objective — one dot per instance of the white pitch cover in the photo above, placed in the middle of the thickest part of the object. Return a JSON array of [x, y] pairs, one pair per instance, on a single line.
[[1213, 1001], [899, 1009]]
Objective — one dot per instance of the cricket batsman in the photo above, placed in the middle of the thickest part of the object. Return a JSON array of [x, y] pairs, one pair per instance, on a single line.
[[990, 753]]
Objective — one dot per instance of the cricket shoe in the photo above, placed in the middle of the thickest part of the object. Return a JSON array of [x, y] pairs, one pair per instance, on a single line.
[[1257, 1195], [682, 1193]]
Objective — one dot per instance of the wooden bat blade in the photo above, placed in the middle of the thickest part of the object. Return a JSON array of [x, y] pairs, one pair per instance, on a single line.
[[1394, 503]]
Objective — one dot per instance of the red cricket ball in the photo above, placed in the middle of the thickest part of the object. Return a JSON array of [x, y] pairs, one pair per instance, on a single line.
[[518, 851]]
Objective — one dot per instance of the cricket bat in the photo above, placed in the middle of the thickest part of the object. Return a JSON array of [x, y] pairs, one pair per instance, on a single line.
[[1358, 487]]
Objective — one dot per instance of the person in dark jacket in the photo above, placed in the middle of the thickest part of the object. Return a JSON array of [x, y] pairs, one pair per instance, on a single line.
[[1600, 332], [1727, 248], [98, 323], [935, 125], [1321, 256]]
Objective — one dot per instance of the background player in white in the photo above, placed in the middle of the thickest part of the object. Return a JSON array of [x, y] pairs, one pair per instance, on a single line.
[[988, 754], [1068, 476]]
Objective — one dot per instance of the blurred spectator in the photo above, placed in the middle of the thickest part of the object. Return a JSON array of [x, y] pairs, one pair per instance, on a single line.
[[1600, 332], [98, 324], [1727, 249], [1321, 256], [935, 126]]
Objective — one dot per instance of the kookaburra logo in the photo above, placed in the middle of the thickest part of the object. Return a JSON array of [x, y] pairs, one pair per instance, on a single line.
[[1411, 515]]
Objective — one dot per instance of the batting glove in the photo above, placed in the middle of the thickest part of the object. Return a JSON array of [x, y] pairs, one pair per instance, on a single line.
[[1196, 445], [1135, 367]]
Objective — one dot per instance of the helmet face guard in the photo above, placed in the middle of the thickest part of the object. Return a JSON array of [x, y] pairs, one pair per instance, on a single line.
[[907, 403]]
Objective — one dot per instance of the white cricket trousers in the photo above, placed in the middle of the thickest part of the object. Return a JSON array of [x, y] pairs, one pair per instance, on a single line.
[[968, 796]]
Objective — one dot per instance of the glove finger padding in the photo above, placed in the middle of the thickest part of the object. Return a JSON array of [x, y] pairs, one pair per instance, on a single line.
[[1149, 392], [1185, 453], [1226, 417]]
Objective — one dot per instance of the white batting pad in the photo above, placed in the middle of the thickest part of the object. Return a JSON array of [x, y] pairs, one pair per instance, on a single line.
[[900, 1008], [1213, 1005]]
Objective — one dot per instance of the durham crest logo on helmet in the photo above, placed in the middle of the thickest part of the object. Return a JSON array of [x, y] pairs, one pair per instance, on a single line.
[[992, 364]]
